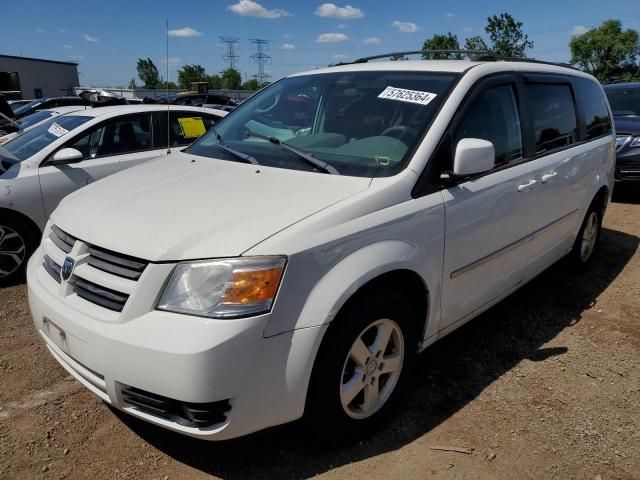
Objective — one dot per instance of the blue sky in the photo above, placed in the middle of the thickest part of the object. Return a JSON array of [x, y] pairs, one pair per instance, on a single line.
[[106, 38]]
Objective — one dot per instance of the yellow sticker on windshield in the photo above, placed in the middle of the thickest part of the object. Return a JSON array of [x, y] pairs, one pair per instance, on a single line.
[[192, 127]]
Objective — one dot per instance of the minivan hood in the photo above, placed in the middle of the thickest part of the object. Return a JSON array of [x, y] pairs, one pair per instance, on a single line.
[[183, 207]]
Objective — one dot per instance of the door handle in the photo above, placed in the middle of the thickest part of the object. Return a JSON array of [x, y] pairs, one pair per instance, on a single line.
[[548, 176], [525, 186]]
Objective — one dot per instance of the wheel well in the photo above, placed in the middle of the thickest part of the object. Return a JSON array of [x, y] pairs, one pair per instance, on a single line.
[[602, 197], [408, 282], [19, 217]]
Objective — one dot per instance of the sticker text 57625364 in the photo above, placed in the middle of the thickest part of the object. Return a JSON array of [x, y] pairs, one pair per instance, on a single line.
[[404, 95]]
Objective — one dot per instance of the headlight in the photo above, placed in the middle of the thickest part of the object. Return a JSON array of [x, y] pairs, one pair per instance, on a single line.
[[225, 288], [635, 142]]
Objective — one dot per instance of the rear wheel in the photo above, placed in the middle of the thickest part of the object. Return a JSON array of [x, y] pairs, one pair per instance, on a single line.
[[17, 244], [361, 365], [588, 238]]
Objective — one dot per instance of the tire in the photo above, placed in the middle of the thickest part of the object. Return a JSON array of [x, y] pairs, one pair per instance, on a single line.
[[341, 404], [17, 244], [588, 239]]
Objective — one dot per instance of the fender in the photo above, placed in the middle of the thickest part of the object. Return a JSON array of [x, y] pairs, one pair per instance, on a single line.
[[335, 287]]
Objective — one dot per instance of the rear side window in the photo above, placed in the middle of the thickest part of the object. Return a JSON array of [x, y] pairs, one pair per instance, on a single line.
[[494, 117], [554, 116], [596, 113], [184, 127]]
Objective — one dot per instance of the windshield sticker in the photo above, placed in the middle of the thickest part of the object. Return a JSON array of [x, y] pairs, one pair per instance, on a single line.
[[57, 130], [192, 127], [411, 96]]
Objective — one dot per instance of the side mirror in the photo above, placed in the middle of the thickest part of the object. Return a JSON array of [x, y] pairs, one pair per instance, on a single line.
[[473, 155], [65, 156]]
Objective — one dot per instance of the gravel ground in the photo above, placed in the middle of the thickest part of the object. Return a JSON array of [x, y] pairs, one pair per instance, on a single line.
[[545, 385]]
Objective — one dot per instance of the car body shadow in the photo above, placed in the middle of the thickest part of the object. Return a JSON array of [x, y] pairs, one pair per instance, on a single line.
[[448, 376], [626, 193]]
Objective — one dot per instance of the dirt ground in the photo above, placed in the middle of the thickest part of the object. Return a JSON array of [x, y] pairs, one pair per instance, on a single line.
[[545, 385]]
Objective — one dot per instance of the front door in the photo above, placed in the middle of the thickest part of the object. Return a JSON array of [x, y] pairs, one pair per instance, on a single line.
[[487, 218]]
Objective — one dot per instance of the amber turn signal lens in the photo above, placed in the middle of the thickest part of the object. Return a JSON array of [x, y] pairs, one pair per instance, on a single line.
[[252, 286]]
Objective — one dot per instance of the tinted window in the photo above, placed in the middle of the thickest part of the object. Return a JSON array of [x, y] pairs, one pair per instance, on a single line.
[[554, 116], [624, 100], [494, 117], [115, 137], [596, 113]]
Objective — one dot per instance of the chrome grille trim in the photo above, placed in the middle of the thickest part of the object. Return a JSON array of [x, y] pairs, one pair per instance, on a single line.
[[104, 297], [63, 240], [116, 264]]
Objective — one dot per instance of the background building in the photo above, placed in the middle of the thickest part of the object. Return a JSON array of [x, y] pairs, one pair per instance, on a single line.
[[36, 77]]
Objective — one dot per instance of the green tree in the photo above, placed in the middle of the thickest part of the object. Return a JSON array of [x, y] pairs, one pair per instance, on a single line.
[[231, 79], [167, 85], [132, 84], [251, 84], [215, 82], [441, 42], [507, 36], [607, 52], [148, 73], [191, 73], [475, 43]]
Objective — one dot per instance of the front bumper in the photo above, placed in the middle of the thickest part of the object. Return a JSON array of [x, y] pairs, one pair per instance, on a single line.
[[627, 163], [195, 360]]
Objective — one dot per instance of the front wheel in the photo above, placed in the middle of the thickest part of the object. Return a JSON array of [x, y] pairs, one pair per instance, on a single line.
[[16, 246], [361, 365]]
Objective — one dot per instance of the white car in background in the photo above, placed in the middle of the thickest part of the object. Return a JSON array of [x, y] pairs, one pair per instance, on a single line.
[[39, 117], [44, 164]]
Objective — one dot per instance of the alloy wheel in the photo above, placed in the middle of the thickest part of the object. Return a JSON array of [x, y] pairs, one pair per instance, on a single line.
[[13, 250], [589, 237], [372, 369]]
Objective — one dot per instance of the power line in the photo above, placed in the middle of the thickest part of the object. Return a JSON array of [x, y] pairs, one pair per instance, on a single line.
[[261, 59], [230, 57]]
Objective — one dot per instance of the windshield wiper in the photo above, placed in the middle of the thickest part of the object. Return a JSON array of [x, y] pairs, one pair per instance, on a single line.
[[232, 151], [306, 156]]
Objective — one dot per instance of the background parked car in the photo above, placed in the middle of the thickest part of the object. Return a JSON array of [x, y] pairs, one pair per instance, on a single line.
[[624, 99], [46, 163], [15, 104], [45, 103]]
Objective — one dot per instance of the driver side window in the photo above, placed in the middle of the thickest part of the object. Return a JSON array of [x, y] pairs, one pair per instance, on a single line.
[[494, 117]]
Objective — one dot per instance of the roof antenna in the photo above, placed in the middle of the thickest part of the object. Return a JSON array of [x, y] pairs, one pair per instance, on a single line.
[[167, 85]]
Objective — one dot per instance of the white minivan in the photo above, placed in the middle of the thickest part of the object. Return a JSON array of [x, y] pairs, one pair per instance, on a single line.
[[295, 258], [48, 161]]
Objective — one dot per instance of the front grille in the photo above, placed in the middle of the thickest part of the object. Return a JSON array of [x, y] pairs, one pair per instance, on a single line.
[[99, 264], [102, 296], [52, 268], [115, 263], [183, 413], [63, 240]]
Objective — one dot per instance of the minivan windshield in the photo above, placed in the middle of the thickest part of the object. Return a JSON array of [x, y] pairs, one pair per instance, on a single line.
[[34, 140], [353, 123], [624, 101]]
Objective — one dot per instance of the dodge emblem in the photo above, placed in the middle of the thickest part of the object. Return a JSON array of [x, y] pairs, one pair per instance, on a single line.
[[67, 269]]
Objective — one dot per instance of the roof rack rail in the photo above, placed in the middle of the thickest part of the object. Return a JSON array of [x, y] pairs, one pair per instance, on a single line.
[[416, 52], [474, 55], [499, 58]]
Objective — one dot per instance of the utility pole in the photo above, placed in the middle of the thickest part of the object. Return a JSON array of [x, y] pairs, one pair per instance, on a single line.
[[231, 57], [261, 59]]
